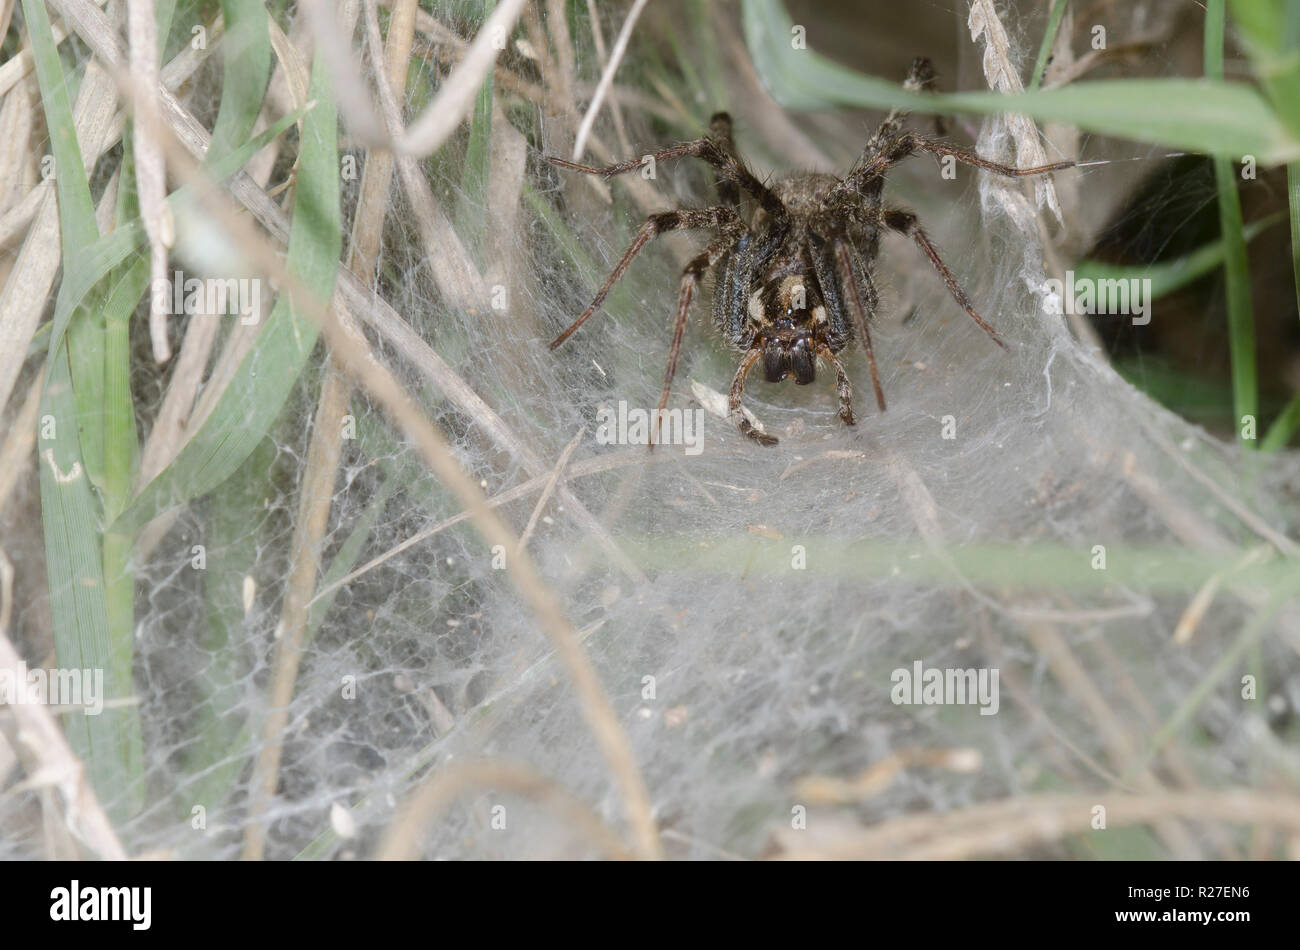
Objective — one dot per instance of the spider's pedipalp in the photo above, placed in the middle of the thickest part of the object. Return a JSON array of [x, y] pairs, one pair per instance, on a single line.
[[733, 401], [842, 384]]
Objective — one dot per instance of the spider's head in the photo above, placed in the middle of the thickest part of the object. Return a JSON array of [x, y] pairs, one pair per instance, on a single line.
[[790, 317]]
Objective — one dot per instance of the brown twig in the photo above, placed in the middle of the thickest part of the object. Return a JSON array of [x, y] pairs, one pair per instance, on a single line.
[[401, 842]]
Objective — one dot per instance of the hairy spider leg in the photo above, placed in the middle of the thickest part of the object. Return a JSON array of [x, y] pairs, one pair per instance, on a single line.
[[863, 178], [919, 79], [849, 281], [720, 128], [708, 149], [691, 274], [904, 222], [655, 225]]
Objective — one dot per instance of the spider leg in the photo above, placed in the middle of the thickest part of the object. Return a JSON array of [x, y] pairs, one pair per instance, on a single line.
[[917, 143], [733, 401], [904, 222], [853, 298], [691, 274], [864, 177], [920, 78], [710, 149], [720, 127], [868, 185], [842, 383], [654, 226]]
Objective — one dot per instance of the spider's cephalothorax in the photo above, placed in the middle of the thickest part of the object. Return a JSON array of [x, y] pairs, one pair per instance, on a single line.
[[794, 281]]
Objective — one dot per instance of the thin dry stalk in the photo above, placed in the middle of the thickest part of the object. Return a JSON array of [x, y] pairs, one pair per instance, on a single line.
[[20, 443], [825, 789], [450, 263], [377, 172], [635, 458], [616, 113], [565, 76], [1001, 75], [401, 842], [309, 529], [606, 79], [456, 95], [551, 482], [316, 498], [1010, 826], [150, 170]]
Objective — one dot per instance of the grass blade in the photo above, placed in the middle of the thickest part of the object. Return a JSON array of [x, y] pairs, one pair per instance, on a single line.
[[109, 743], [1049, 40], [1284, 426], [1241, 318], [246, 53], [1168, 276], [253, 400], [1200, 115]]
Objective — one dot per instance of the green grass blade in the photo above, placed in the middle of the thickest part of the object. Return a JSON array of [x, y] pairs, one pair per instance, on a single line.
[[108, 743], [119, 448], [346, 557], [266, 377], [164, 13], [1214, 117], [1270, 31], [85, 270], [1049, 40], [1241, 318], [1168, 276], [246, 53], [76, 211], [1284, 426], [219, 750]]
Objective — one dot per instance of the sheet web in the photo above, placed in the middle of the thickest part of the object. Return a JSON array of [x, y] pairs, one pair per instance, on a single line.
[[746, 609]]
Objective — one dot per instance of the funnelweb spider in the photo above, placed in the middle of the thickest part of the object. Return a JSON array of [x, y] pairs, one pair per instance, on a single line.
[[794, 283]]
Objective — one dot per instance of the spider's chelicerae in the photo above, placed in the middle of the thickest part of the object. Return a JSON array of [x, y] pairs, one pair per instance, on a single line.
[[794, 283]]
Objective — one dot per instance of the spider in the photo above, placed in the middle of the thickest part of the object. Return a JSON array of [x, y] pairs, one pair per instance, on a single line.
[[793, 284]]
